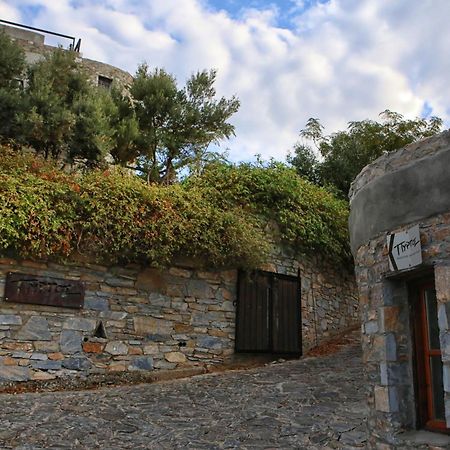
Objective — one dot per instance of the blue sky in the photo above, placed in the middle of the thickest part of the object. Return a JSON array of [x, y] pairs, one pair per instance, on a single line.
[[286, 60]]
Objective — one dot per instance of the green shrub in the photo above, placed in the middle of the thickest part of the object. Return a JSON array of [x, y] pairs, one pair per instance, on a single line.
[[218, 217], [310, 218], [114, 217]]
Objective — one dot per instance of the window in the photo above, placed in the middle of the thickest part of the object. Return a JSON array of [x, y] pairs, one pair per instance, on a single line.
[[428, 360], [104, 82]]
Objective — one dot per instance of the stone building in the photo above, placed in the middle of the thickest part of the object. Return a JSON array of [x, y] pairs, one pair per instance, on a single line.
[[33, 43], [400, 235]]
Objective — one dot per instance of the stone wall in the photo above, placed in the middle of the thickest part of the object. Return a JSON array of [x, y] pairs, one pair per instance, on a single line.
[[152, 319], [387, 340], [329, 297], [385, 300]]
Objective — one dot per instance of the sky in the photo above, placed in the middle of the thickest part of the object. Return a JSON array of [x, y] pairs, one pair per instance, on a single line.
[[286, 60]]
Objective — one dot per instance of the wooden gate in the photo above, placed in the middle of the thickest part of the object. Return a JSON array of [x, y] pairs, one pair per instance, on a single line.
[[268, 313]]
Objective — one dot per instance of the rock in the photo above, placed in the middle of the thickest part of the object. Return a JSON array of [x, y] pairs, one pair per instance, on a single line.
[[181, 273], [80, 324], [10, 319], [70, 341], [116, 367], [8, 361], [39, 356], [175, 357], [199, 289], [210, 342], [156, 299], [158, 337], [371, 327], [76, 364], [120, 282], [46, 346], [144, 325], [116, 348], [14, 373], [46, 365], [93, 347], [133, 350], [141, 363], [113, 315], [164, 365], [23, 355], [43, 376], [151, 349], [36, 329], [96, 303], [150, 280]]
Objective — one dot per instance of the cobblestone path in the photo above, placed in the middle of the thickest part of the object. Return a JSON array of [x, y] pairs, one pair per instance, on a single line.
[[312, 403]]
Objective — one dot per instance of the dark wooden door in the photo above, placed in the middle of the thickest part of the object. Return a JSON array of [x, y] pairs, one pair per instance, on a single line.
[[429, 381], [268, 313]]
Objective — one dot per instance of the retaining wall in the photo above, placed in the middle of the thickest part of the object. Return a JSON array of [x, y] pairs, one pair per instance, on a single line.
[[152, 319]]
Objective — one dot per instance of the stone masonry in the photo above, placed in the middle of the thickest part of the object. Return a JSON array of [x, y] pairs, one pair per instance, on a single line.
[[149, 319], [385, 304]]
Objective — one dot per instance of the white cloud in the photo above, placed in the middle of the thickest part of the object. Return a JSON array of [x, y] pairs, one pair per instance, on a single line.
[[8, 12], [343, 60]]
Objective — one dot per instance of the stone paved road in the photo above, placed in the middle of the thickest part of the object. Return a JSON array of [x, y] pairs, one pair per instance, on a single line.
[[313, 403]]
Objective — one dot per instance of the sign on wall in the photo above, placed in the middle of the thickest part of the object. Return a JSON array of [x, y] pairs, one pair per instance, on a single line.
[[405, 250], [22, 288]]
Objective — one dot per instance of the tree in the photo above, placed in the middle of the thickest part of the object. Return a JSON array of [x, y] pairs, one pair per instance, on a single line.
[[12, 62], [67, 118], [345, 153], [12, 67], [175, 126]]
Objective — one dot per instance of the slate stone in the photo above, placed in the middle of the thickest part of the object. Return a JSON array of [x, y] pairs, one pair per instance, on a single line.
[[120, 282], [116, 348], [10, 319], [157, 337], [76, 363], [157, 299], [164, 365], [46, 365], [210, 342], [22, 355], [154, 325], [391, 347], [80, 324], [446, 377], [36, 329], [39, 356], [142, 363], [97, 304], [14, 373], [371, 327], [200, 289], [70, 341]]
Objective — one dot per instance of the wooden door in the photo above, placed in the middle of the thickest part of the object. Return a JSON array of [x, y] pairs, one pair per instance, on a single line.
[[268, 313], [429, 378]]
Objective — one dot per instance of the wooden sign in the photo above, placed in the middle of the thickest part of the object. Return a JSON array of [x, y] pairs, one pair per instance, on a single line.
[[22, 288]]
